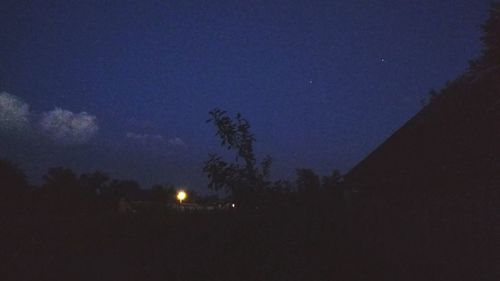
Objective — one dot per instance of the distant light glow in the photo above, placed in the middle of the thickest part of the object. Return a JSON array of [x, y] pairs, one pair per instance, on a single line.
[[233, 205], [181, 195]]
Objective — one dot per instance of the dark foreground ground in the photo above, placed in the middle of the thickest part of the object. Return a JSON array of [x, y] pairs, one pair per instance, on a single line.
[[301, 245], [196, 246]]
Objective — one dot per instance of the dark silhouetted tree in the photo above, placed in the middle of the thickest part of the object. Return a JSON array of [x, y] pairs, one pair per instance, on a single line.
[[95, 182], [158, 194], [163, 194], [62, 190], [60, 178], [243, 177], [122, 189], [308, 188], [209, 199], [333, 181], [307, 181], [11, 177], [170, 193], [282, 186], [491, 37], [13, 184], [433, 94], [279, 195], [193, 196], [333, 186]]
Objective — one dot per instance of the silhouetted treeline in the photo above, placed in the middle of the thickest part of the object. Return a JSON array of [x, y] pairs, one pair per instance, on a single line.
[[71, 230], [14, 188], [248, 182], [64, 192]]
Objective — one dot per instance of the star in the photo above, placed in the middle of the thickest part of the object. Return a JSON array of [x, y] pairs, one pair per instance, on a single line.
[[382, 60], [310, 81]]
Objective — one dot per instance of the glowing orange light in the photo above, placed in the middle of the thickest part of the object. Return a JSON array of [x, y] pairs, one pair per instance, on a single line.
[[181, 195]]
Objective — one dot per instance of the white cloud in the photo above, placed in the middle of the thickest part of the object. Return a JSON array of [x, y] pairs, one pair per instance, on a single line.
[[14, 113], [134, 136], [68, 127], [145, 137], [176, 141], [148, 139]]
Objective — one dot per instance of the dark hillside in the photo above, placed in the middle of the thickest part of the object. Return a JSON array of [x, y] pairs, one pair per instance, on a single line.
[[429, 201], [452, 143]]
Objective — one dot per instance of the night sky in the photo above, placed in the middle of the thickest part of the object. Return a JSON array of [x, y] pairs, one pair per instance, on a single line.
[[126, 87]]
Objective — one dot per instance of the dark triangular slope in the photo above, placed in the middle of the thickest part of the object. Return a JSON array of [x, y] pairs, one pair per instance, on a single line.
[[451, 143], [429, 201], [428, 205]]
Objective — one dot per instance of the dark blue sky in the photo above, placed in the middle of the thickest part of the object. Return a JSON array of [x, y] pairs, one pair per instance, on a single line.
[[321, 82]]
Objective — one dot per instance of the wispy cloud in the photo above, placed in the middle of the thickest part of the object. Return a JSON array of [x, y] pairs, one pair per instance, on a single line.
[[176, 141], [145, 138], [152, 139], [68, 127], [14, 113]]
